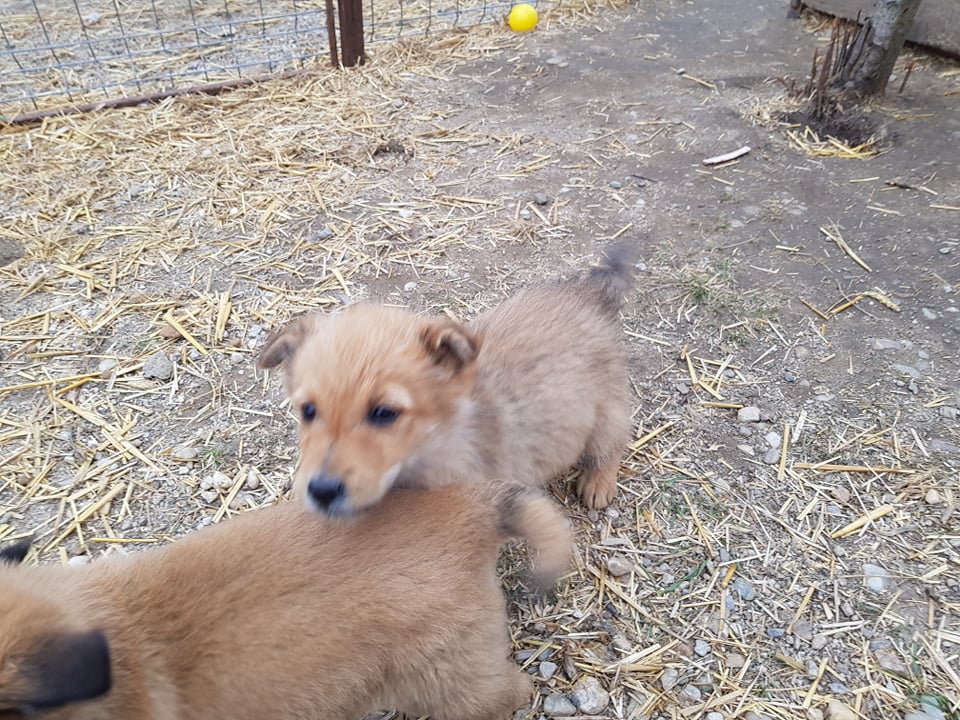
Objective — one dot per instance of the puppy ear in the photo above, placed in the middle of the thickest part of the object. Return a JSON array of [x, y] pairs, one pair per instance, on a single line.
[[450, 344], [282, 346], [67, 668], [14, 554]]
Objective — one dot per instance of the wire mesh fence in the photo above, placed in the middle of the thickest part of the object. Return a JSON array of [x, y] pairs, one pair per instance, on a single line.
[[56, 53]]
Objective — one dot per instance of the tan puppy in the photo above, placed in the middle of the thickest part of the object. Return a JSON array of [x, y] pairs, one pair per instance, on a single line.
[[280, 614], [386, 397]]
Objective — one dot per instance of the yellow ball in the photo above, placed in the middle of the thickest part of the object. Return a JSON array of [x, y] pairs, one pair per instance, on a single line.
[[522, 18]]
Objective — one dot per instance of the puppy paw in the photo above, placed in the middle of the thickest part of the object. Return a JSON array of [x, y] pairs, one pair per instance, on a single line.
[[597, 490]]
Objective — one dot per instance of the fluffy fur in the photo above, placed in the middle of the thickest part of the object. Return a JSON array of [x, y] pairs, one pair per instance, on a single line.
[[278, 613], [531, 388]]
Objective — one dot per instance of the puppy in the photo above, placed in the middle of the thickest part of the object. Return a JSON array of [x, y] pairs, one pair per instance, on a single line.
[[386, 397], [278, 613]]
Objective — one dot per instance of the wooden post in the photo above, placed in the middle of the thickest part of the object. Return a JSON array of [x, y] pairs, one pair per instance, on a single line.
[[351, 33]]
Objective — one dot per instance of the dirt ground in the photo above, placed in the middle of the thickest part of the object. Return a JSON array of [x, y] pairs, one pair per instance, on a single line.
[[785, 543]]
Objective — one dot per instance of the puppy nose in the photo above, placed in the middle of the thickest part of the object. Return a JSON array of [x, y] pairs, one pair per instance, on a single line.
[[326, 490]]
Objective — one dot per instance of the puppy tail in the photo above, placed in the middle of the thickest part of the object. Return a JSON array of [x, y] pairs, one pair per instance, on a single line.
[[614, 278], [526, 513]]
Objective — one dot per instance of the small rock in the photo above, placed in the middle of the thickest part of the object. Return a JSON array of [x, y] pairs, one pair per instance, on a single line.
[[540, 198], [743, 588], [78, 560], [746, 450], [668, 680], [556, 705], [324, 233], [885, 344], [841, 494], [751, 715], [950, 413], [789, 377], [221, 480], [928, 314], [836, 710], [616, 185], [908, 370], [889, 661], [944, 446], [555, 60], [589, 695], [409, 287], [819, 642], [945, 250], [776, 632], [618, 565], [690, 695], [772, 456], [932, 497], [547, 669], [107, 364], [209, 496], [184, 453], [773, 439], [875, 577], [253, 481], [814, 714], [735, 661], [701, 647], [748, 414], [813, 670], [525, 214], [838, 688], [158, 367], [714, 716], [803, 630]]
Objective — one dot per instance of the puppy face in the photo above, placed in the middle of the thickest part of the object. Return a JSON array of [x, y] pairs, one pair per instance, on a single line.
[[46, 660], [369, 386]]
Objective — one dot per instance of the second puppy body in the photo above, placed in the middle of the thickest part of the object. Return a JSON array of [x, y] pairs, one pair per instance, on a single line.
[[280, 614], [529, 389]]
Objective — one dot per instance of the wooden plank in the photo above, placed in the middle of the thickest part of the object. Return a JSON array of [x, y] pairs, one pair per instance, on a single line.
[[937, 25]]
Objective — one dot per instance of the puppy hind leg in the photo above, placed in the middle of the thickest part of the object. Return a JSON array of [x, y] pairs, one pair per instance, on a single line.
[[496, 697], [597, 485]]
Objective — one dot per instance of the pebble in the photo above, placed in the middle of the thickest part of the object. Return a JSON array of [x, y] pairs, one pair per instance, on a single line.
[[744, 589], [324, 233], [690, 695], [812, 670], [714, 716], [819, 642], [78, 560], [556, 705], [776, 632], [876, 577], [814, 714], [945, 250], [746, 450], [184, 453], [589, 695], [540, 198], [885, 344], [944, 447], [889, 661], [950, 413], [618, 565], [668, 680], [107, 364], [908, 370], [748, 414], [253, 481], [547, 669], [616, 185], [772, 456], [209, 496], [803, 630], [751, 715], [221, 480], [928, 314], [836, 710], [773, 439], [158, 366], [558, 60], [525, 214], [932, 497], [410, 286], [789, 377], [701, 648], [735, 661]]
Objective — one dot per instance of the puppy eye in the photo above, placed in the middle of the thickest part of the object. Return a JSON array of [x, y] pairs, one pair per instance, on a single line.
[[308, 411], [382, 415]]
